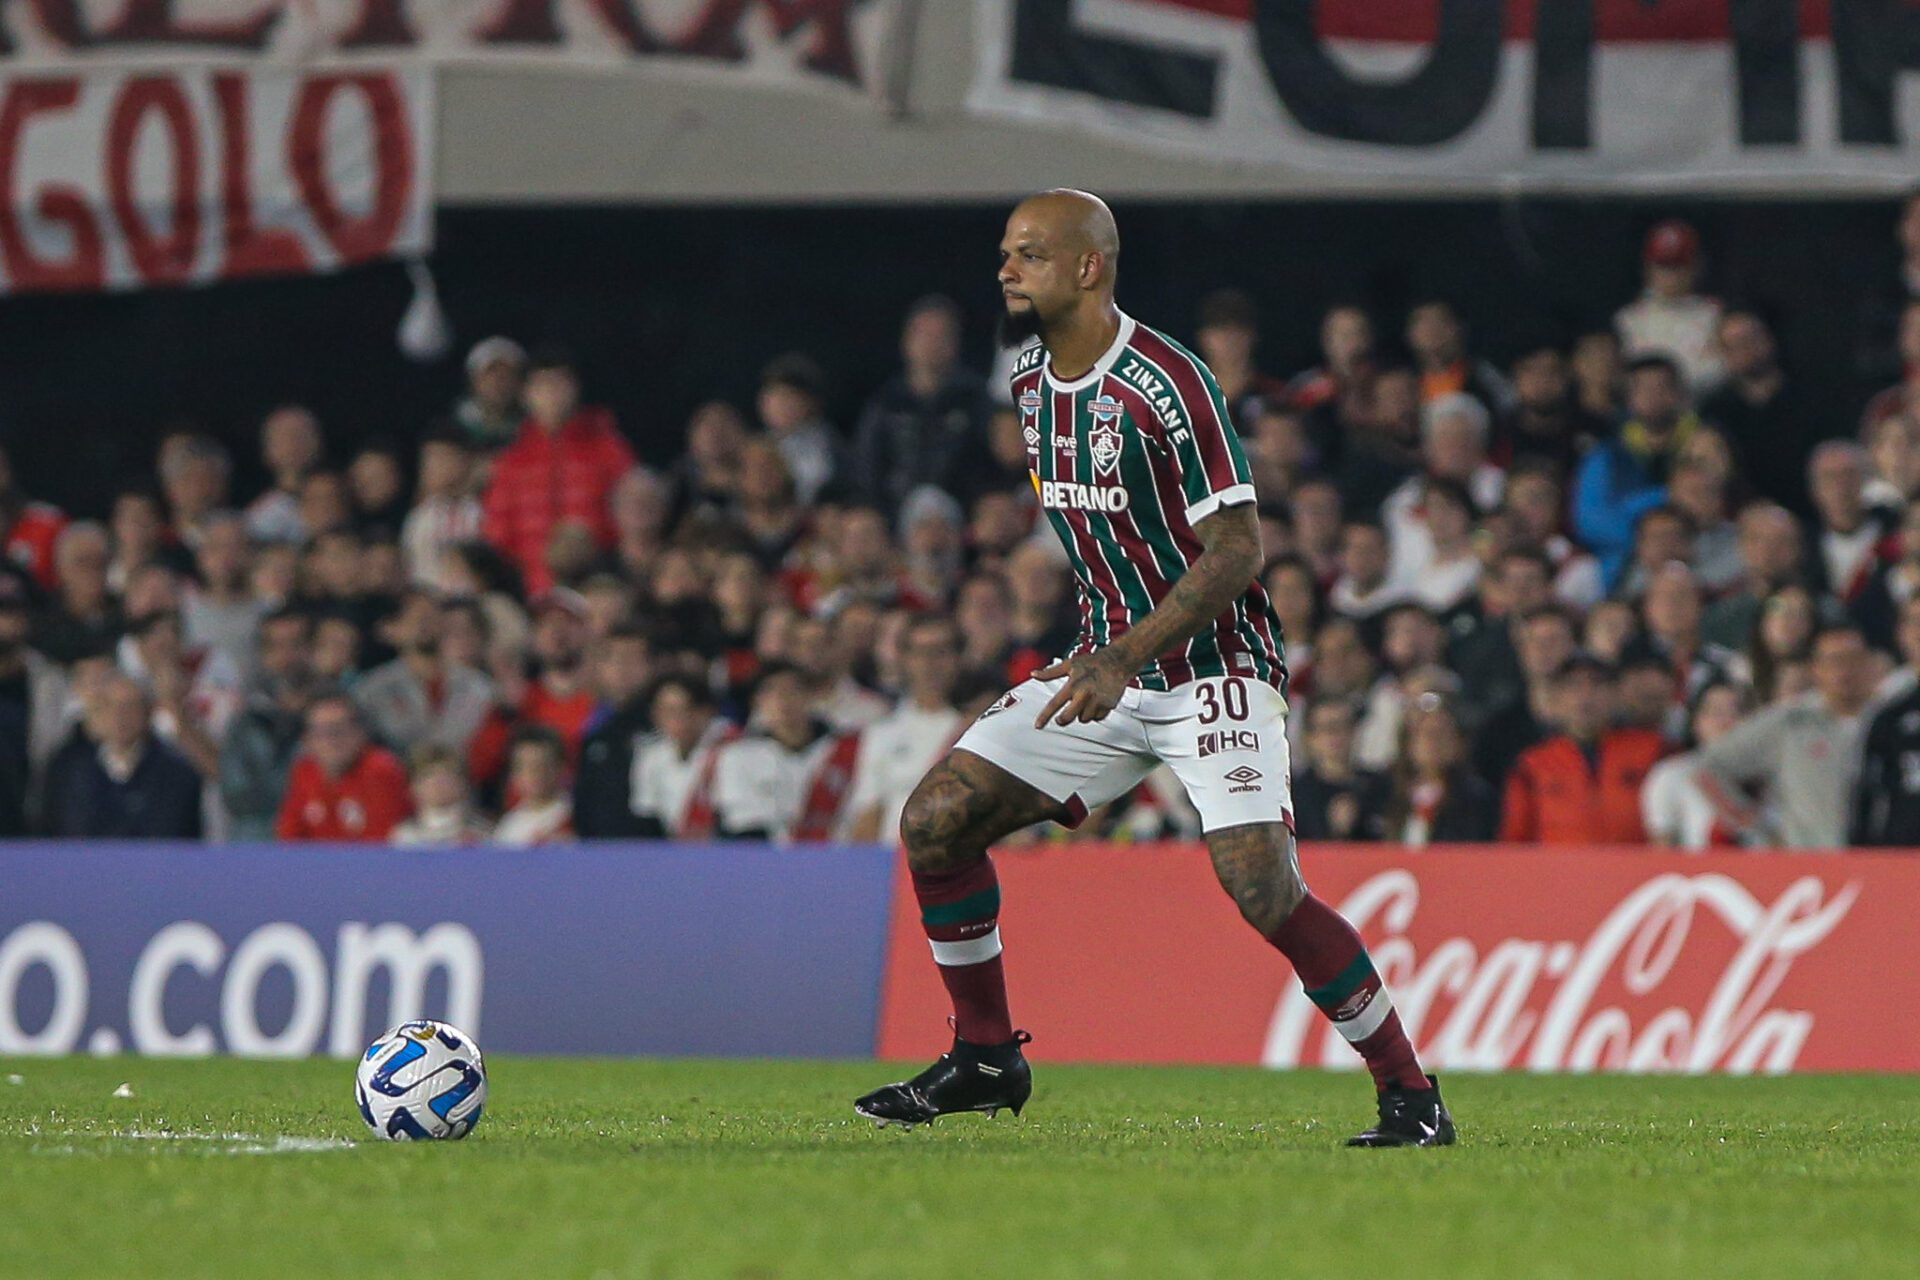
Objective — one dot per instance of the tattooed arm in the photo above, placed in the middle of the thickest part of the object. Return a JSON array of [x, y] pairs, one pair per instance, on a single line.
[[1229, 560]]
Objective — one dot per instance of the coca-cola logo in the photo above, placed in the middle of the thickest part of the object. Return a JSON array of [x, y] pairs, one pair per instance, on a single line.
[[1629, 996]]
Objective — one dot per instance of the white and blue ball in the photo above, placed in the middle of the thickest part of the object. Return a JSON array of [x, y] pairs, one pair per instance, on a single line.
[[421, 1080]]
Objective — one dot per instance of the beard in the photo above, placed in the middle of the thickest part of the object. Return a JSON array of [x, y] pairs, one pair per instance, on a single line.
[[1019, 328]]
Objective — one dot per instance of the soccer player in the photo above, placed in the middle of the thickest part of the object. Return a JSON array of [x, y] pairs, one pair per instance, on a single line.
[[1178, 661]]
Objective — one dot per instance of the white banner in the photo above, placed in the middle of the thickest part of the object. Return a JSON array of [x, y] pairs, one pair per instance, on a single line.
[[130, 179], [826, 42], [1476, 95]]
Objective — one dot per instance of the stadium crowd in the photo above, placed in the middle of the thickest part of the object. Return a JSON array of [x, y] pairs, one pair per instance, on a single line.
[[1628, 588]]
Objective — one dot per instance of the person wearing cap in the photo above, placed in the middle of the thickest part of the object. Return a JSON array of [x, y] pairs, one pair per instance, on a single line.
[[490, 413], [792, 406], [927, 424], [1669, 317], [1582, 786], [563, 466]]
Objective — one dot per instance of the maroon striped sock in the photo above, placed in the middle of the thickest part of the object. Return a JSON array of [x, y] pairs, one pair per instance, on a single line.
[[1334, 967], [960, 911]]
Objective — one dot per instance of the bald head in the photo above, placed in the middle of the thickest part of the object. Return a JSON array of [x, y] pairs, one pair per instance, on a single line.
[[1078, 220], [1057, 260]]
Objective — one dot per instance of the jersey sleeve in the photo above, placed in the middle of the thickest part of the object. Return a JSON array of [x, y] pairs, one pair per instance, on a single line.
[[1213, 466]]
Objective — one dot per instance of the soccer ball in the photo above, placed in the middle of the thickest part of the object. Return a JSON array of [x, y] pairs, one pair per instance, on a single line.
[[421, 1080]]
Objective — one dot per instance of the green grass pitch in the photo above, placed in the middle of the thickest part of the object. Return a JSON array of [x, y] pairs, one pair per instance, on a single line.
[[758, 1171]]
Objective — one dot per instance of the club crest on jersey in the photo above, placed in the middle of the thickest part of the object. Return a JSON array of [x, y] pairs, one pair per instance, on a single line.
[[1030, 403], [1103, 438]]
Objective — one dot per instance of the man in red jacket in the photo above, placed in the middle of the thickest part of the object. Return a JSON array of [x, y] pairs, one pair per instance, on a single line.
[[1582, 786], [561, 469], [342, 787]]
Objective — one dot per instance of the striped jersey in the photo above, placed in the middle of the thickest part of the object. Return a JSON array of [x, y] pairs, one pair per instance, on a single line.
[[1126, 460]]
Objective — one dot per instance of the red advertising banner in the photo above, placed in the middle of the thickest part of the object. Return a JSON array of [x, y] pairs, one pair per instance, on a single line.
[[1497, 957], [123, 179]]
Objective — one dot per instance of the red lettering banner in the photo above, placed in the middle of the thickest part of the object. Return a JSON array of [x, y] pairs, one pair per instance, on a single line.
[[1497, 958], [132, 179]]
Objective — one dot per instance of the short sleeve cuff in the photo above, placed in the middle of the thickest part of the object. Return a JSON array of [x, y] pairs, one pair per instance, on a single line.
[[1231, 496]]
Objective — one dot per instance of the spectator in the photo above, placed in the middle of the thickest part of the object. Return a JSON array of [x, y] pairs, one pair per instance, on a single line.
[[897, 750], [1771, 551], [1454, 449], [30, 682], [931, 540], [490, 414], [706, 477], [824, 659], [1903, 397], [1676, 812], [1334, 799], [768, 509], [1228, 338], [445, 513], [196, 692], [87, 675], [1486, 654], [257, 754], [83, 615], [1701, 496], [1280, 453], [1848, 542], [562, 467], [419, 697], [641, 502], [132, 786], [1783, 632], [1545, 639], [1599, 373], [290, 447], [1438, 340], [787, 780], [194, 473], [1645, 694], [674, 767], [220, 613], [139, 529], [1535, 507], [605, 801], [928, 424], [1337, 391], [342, 787], [792, 404], [1377, 452], [1042, 629], [1627, 475], [336, 650], [1661, 536], [326, 504], [1672, 613], [1886, 799], [1342, 666], [1412, 641], [1802, 756], [1363, 591], [443, 813], [1762, 411], [29, 530], [542, 810], [558, 696], [1547, 425], [1669, 318], [1435, 798], [1893, 448], [1892, 585], [1582, 786], [1451, 572]]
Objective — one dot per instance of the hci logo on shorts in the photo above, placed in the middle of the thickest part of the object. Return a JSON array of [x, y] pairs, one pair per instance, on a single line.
[[1103, 438], [1229, 740]]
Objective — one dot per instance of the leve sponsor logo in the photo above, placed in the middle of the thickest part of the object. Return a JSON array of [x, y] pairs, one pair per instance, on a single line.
[[1565, 1004]]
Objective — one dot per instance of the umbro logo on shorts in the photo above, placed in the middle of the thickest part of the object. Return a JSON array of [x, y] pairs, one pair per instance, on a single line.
[[1245, 778], [1229, 740]]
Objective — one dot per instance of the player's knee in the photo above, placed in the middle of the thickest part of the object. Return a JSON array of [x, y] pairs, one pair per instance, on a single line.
[[929, 826]]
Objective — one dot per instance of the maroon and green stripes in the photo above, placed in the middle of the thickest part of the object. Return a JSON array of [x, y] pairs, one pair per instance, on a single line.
[[1125, 514]]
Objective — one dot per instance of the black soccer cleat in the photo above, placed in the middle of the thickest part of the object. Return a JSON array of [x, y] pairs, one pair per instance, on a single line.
[[1409, 1118], [969, 1077]]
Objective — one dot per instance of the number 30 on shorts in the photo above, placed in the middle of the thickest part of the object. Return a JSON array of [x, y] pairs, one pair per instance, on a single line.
[[1232, 692]]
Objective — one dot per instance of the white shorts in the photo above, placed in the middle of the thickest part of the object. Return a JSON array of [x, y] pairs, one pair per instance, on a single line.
[[1225, 738]]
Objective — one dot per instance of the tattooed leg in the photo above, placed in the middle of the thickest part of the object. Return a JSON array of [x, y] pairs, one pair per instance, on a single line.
[[1258, 865], [960, 808]]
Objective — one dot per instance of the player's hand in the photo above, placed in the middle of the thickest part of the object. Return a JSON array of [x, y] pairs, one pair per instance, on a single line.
[[1093, 688]]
